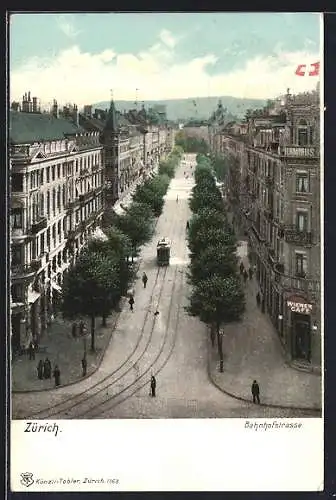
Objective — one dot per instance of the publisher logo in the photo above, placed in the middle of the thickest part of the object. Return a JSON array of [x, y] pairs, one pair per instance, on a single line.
[[27, 479]]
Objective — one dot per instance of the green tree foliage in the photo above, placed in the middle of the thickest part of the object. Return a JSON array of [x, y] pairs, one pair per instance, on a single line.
[[213, 260], [152, 192], [217, 296], [137, 223], [91, 288], [191, 144]]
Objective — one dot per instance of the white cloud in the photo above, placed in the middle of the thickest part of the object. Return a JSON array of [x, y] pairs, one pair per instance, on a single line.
[[85, 78], [168, 39], [66, 24]]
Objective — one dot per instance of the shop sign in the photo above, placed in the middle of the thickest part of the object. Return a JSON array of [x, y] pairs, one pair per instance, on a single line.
[[300, 307]]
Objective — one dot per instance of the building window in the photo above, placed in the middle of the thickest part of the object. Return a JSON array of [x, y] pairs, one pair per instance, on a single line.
[[42, 205], [302, 183], [64, 169], [17, 218], [300, 265], [59, 198], [17, 182], [53, 173], [54, 234], [17, 254], [48, 239], [302, 221], [48, 203], [42, 243], [17, 293], [53, 201], [302, 133], [59, 230], [58, 171], [41, 176], [48, 174]]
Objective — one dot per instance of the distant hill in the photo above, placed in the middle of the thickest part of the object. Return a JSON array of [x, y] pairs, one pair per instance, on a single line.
[[197, 108]]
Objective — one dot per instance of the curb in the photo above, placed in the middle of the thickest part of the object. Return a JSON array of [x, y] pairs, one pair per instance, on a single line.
[[100, 360], [245, 400]]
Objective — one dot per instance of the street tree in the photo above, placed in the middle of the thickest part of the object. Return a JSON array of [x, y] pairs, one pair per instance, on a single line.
[[214, 259], [137, 223], [91, 288], [218, 300], [213, 236], [205, 218], [202, 198]]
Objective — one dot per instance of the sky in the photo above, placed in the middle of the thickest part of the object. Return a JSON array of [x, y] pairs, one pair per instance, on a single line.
[[81, 57]]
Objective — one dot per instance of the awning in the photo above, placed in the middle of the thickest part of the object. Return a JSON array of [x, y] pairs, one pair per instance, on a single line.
[[56, 287], [33, 296]]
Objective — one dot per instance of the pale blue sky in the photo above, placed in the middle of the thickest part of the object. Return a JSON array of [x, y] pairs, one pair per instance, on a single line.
[[230, 43]]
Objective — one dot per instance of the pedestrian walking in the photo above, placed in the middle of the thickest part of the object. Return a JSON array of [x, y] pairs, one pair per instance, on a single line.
[[31, 350], [57, 376], [153, 386], [40, 369], [255, 389], [84, 366], [245, 275], [187, 224], [144, 279], [241, 268], [47, 368], [258, 299], [250, 271], [177, 199], [131, 303]]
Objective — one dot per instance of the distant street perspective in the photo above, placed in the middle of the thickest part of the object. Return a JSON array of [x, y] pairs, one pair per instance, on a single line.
[[165, 243], [159, 338]]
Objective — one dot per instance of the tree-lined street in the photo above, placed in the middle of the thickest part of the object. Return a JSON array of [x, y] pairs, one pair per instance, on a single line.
[[159, 337]]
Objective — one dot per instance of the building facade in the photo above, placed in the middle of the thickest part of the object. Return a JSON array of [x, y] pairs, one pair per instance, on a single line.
[[133, 144], [273, 193], [56, 174]]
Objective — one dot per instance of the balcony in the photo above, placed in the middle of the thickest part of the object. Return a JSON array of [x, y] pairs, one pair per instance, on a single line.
[[22, 272], [39, 225], [293, 235], [269, 181], [296, 283]]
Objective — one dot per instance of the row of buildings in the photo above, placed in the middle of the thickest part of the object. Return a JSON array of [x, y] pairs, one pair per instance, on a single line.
[[66, 169], [273, 193]]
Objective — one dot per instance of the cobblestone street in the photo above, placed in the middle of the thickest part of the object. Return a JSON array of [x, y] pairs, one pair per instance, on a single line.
[[174, 347]]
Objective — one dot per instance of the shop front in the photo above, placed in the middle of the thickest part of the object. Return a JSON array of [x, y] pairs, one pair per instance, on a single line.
[[300, 328]]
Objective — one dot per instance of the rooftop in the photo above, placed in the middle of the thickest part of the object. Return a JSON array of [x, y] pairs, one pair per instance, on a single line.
[[26, 128]]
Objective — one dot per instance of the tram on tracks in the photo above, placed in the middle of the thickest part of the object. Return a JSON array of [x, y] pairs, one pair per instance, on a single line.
[[163, 252]]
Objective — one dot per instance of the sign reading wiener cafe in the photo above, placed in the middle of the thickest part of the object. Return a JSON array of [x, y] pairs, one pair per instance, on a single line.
[[298, 305]]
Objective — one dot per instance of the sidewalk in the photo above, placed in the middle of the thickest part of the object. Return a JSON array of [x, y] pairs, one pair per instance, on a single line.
[[252, 350], [65, 351]]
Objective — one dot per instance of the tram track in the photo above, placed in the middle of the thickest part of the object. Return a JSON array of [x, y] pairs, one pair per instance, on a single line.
[[133, 386], [67, 407]]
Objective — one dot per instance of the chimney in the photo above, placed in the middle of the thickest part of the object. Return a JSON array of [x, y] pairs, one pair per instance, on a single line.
[[26, 103], [54, 109], [35, 108], [75, 115]]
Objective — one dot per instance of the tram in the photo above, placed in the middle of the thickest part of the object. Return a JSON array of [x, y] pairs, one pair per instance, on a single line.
[[163, 252]]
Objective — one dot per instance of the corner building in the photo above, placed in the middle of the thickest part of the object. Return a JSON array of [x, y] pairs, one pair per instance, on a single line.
[[273, 194], [56, 177]]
